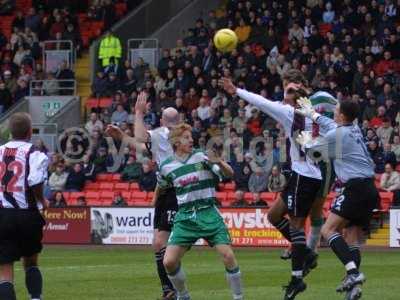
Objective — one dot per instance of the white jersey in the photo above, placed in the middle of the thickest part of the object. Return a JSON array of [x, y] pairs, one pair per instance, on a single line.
[[160, 146], [293, 124], [21, 167]]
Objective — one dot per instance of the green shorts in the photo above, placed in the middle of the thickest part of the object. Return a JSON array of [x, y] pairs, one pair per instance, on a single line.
[[205, 222], [328, 178]]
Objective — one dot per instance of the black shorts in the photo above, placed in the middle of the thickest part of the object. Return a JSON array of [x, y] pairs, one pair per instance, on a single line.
[[21, 233], [300, 194], [165, 210], [357, 201]]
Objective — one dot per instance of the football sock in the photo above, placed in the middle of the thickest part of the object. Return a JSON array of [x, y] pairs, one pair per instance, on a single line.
[[342, 251], [178, 279], [284, 228], [162, 274], [7, 291], [315, 234], [34, 282], [299, 251], [355, 252], [234, 278]]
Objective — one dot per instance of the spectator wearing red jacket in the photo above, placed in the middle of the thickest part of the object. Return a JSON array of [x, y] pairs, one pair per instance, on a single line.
[[382, 67]]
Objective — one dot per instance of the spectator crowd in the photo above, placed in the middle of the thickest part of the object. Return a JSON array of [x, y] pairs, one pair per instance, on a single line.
[[350, 49]]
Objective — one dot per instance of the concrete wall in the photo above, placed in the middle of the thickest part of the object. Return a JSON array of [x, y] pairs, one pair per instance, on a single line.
[[186, 18]]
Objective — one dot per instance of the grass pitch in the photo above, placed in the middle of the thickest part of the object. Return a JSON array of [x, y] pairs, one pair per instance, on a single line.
[[114, 273]]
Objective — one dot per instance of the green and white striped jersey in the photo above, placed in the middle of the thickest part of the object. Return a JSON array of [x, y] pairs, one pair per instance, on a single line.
[[192, 179]]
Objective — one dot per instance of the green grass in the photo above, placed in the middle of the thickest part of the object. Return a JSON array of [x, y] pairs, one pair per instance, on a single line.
[[79, 273]]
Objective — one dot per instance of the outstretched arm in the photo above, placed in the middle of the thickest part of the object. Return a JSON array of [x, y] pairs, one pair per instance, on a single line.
[[276, 110]]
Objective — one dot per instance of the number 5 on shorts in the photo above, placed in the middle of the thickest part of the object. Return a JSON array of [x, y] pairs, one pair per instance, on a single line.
[[337, 204]]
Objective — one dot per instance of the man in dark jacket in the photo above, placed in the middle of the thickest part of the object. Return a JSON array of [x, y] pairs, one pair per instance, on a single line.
[[75, 179], [148, 180]]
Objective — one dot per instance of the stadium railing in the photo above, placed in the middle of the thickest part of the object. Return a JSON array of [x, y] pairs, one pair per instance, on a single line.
[[47, 87]]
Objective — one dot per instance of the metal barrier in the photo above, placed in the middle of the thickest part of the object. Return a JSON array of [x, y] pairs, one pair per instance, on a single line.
[[56, 52], [53, 87], [68, 116], [147, 49]]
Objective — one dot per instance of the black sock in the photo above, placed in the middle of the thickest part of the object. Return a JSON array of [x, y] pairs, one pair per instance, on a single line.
[[299, 251], [7, 291], [284, 228], [162, 274], [356, 254], [342, 251], [34, 282]]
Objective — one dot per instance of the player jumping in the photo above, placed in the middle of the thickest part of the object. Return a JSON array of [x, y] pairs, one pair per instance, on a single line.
[[324, 103], [352, 208], [191, 174], [300, 193], [22, 173], [166, 204]]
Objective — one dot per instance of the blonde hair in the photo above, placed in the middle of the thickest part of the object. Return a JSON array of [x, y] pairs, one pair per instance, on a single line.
[[176, 133]]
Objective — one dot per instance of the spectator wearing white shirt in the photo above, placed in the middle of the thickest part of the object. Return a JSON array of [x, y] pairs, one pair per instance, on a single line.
[[93, 124], [390, 182], [203, 111]]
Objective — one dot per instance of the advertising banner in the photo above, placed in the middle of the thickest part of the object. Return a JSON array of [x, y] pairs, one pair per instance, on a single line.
[[67, 225], [395, 228], [250, 227], [122, 225]]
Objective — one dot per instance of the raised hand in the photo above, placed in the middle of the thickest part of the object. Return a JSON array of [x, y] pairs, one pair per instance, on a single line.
[[115, 132], [304, 138], [141, 103], [227, 85], [306, 109]]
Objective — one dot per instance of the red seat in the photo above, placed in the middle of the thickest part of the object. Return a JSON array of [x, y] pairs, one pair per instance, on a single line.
[[94, 202], [104, 177], [230, 195], [248, 196], [92, 186], [116, 177], [107, 196], [66, 196], [105, 102], [126, 195], [141, 203], [226, 203], [221, 196], [92, 195], [121, 186], [75, 195], [221, 187], [92, 103], [106, 186], [134, 186], [386, 200], [139, 195], [150, 196], [231, 186], [268, 197]]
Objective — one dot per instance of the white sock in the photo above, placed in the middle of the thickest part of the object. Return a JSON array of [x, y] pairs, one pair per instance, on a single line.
[[178, 279], [234, 278]]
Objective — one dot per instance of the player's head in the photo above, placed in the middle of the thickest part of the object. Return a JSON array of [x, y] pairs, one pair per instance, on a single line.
[[20, 126], [346, 112], [170, 117], [181, 139], [295, 86]]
